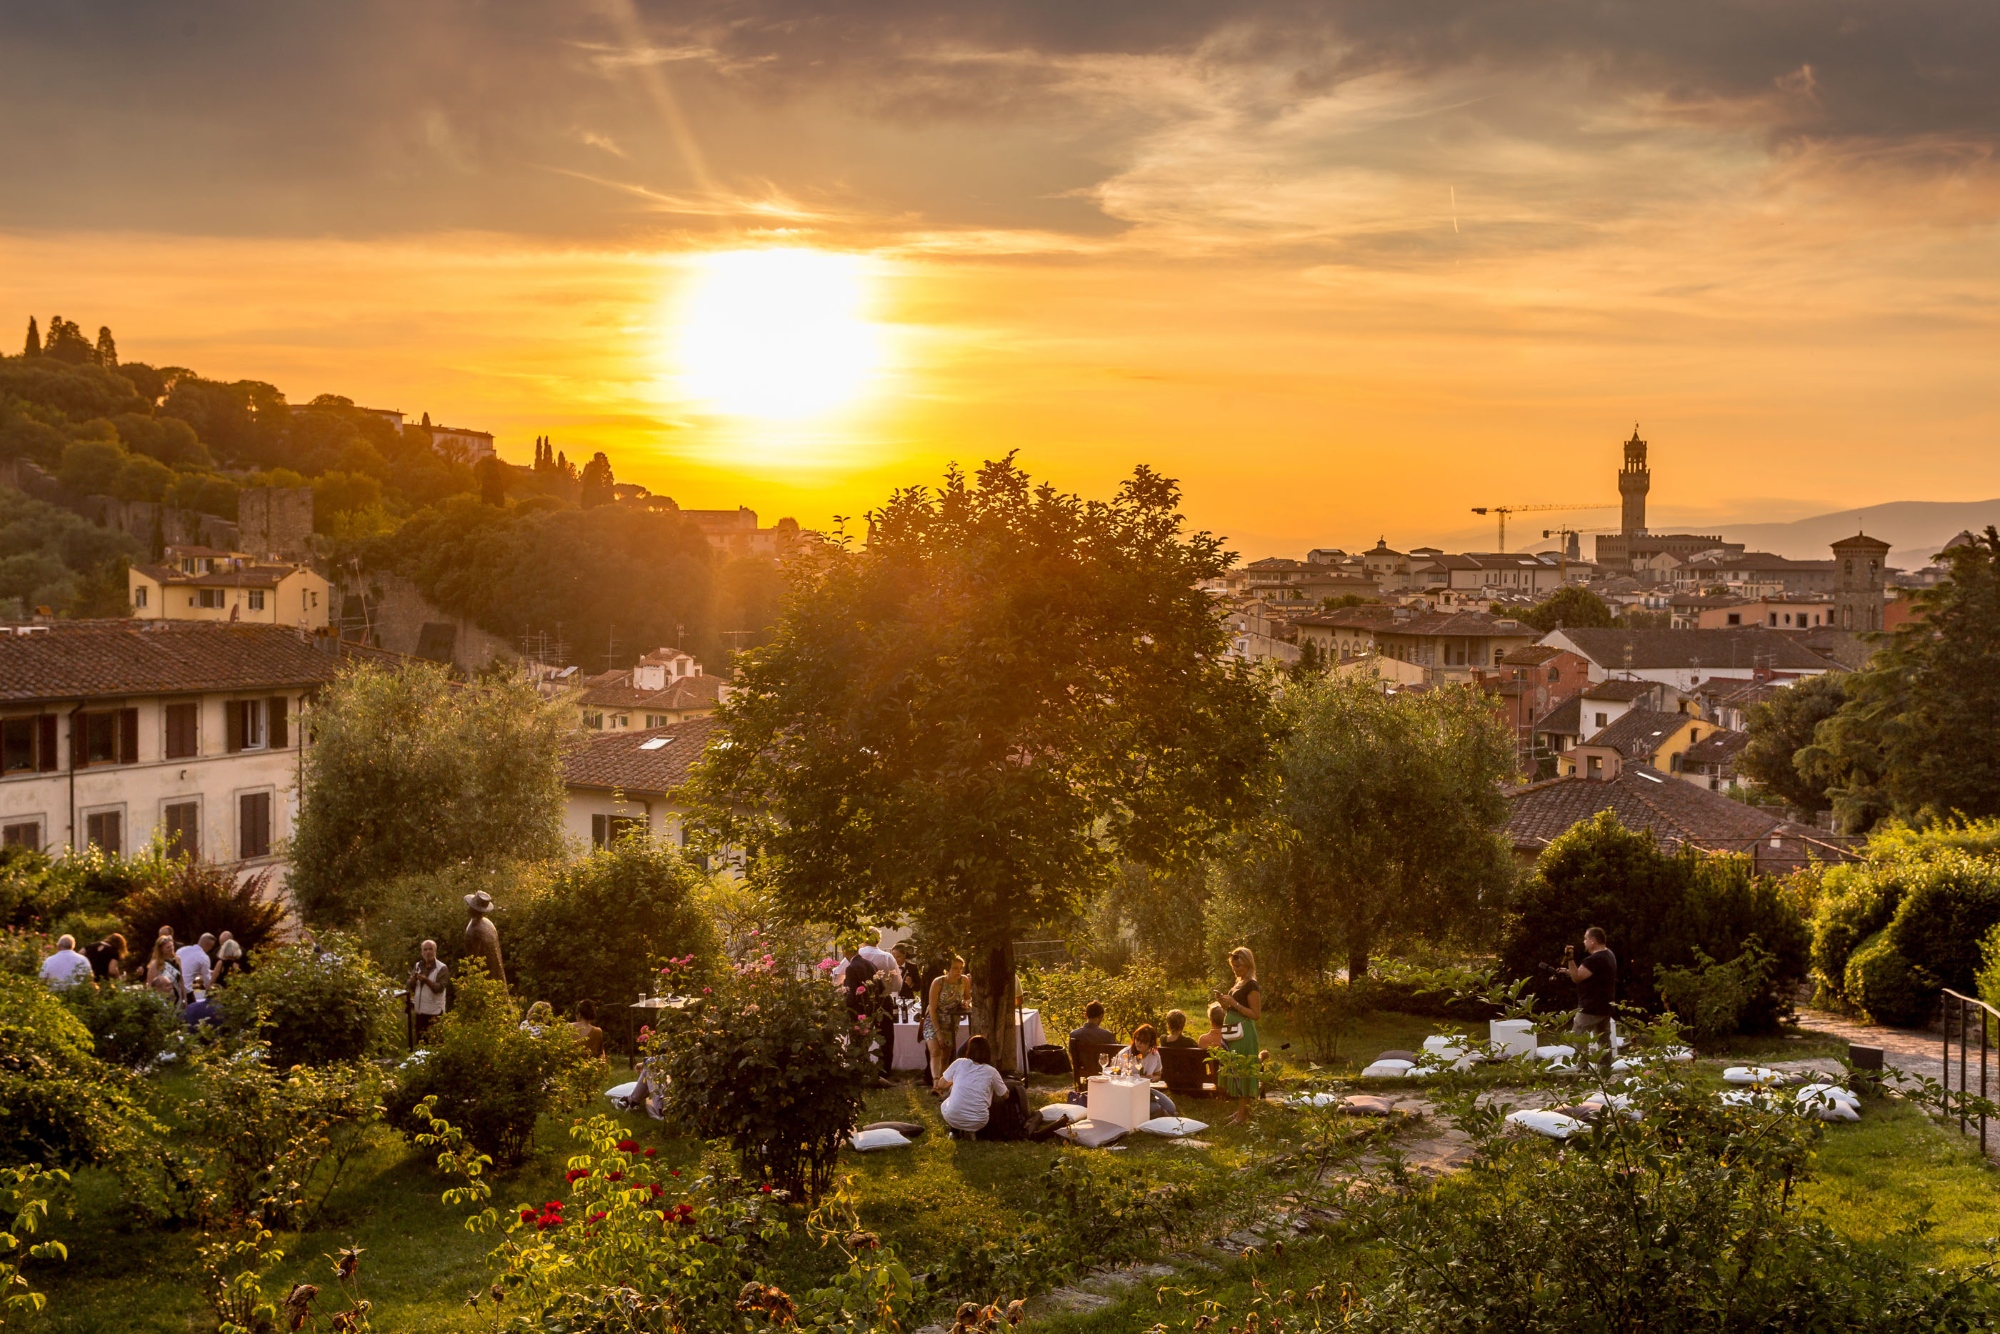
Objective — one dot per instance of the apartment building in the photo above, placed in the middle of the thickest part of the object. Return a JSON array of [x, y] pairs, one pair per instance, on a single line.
[[114, 732], [204, 584]]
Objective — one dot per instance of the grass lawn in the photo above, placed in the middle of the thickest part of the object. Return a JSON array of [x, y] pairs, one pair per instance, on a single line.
[[1879, 1179]]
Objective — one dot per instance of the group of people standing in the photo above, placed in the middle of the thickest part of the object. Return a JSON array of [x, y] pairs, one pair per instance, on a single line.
[[184, 976]]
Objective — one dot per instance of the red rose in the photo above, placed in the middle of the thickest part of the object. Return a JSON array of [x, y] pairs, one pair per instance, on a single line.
[[628, 1146], [651, 1152], [527, 1215], [554, 1206], [575, 1174], [598, 1217], [766, 1188], [614, 1176]]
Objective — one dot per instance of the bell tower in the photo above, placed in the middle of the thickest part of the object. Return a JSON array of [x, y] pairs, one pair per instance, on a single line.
[[1634, 480]]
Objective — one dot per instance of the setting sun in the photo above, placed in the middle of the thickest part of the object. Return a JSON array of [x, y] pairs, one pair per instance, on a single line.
[[776, 334]]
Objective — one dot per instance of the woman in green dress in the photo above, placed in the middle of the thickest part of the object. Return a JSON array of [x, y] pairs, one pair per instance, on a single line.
[[1244, 1005]]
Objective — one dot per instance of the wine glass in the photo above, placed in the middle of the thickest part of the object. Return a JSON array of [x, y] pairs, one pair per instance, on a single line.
[[1104, 1063]]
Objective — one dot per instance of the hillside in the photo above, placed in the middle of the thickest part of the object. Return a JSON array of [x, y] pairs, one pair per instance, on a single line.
[[1914, 529]]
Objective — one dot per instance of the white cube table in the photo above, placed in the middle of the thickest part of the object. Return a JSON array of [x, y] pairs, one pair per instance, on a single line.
[[1119, 1101], [1514, 1037]]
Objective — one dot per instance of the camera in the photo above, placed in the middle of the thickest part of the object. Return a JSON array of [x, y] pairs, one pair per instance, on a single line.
[[1569, 954]]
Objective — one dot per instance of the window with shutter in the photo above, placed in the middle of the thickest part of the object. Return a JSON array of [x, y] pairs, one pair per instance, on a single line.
[[22, 834], [45, 749], [106, 830], [17, 745], [183, 731], [278, 730], [596, 831], [128, 736], [181, 824], [253, 825], [233, 710]]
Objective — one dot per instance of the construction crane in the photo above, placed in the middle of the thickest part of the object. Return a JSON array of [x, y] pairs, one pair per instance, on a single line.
[[1504, 510], [1566, 535]]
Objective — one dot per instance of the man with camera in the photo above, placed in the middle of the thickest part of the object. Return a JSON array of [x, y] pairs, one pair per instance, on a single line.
[[1596, 979], [425, 991]]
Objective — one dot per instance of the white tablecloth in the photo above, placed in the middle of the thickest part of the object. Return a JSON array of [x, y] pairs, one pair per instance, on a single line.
[[910, 1053]]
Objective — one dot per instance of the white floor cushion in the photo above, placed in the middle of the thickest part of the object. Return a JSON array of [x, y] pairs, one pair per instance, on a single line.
[[1752, 1074], [1311, 1099], [618, 1093], [1389, 1070], [1558, 1053], [1063, 1111], [1090, 1134], [1362, 1104], [866, 1140], [1553, 1124], [1172, 1126]]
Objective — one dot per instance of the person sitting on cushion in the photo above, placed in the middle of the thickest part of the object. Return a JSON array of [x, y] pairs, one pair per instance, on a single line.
[[971, 1088], [1177, 1031]]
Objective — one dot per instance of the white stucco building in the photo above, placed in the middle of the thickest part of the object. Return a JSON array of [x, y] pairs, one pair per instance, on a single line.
[[114, 731]]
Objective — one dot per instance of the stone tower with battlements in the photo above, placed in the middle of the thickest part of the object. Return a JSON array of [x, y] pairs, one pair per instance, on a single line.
[[1634, 480]]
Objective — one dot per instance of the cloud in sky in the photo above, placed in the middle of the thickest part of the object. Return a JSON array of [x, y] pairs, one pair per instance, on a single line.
[[1338, 236]]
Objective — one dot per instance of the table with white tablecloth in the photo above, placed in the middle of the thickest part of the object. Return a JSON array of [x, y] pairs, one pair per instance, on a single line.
[[911, 1055]]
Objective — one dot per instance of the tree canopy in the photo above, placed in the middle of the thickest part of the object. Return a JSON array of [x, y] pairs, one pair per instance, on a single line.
[[967, 720], [409, 773], [1915, 737], [1780, 728], [1385, 821], [1571, 605]]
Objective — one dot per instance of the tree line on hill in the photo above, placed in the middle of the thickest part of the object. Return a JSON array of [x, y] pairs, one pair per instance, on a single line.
[[538, 549]]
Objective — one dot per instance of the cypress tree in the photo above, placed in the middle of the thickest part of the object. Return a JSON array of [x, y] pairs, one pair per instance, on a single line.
[[34, 347], [107, 350]]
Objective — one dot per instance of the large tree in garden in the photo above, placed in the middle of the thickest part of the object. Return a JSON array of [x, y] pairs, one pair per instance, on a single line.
[[1385, 821], [969, 719], [1916, 735], [1780, 728], [410, 771]]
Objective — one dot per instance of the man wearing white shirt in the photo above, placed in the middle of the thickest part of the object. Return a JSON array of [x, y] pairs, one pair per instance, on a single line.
[[66, 967], [196, 969]]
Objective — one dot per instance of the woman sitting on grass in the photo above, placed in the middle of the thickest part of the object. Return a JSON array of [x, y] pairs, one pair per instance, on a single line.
[[974, 1092]]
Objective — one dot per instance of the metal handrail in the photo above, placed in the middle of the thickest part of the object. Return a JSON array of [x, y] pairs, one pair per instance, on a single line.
[[1962, 1007]]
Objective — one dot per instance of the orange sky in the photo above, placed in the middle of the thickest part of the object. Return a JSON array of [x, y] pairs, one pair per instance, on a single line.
[[1339, 281]]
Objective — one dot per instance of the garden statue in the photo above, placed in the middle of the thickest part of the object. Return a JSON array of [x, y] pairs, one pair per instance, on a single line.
[[482, 938]]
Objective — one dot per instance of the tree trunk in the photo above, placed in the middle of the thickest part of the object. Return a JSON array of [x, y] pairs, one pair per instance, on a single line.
[[993, 1002], [1357, 961]]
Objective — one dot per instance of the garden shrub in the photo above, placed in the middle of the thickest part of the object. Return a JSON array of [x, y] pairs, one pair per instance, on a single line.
[[1858, 902], [1658, 908], [22, 951], [129, 1025], [772, 1063], [489, 1076], [1949, 903], [402, 913], [314, 1005], [37, 889], [1139, 995], [596, 928], [194, 896], [60, 1105], [1886, 986], [1989, 971], [1690, 1217], [1710, 998], [253, 1137]]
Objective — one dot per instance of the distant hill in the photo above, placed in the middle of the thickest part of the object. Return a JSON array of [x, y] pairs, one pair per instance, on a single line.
[[1915, 529]]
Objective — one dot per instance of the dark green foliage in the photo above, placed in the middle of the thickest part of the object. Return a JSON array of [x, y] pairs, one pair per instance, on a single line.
[[195, 896], [1915, 737], [641, 575], [1570, 606], [39, 890], [492, 1078], [129, 1025], [65, 342], [34, 343], [1710, 999], [596, 929], [1783, 726], [48, 555], [768, 1062], [168, 439], [1886, 985], [1691, 1218], [410, 773], [79, 392], [244, 422], [596, 482], [59, 1104], [1385, 821], [314, 1004], [1947, 906], [1658, 908], [950, 721]]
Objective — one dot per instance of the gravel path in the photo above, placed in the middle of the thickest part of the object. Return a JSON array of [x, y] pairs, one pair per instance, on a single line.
[[1916, 1052]]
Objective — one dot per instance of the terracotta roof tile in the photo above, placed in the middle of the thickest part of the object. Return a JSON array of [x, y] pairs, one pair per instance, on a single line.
[[630, 762], [690, 692], [101, 659], [1707, 650], [1638, 733], [1643, 798]]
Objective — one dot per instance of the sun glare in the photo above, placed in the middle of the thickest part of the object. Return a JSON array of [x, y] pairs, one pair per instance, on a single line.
[[777, 334]]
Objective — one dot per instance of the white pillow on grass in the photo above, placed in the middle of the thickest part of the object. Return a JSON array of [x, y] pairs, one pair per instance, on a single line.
[[1752, 1074], [1091, 1134], [1171, 1126], [1063, 1111], [1555, 1125], [618, 1093], [884, 1138], [1389, 1070]]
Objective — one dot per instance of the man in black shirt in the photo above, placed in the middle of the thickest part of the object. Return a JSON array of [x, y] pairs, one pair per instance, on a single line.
[[1596, 979]]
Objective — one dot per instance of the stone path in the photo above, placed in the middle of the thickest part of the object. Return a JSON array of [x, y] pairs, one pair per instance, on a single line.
[[1913, 1051]]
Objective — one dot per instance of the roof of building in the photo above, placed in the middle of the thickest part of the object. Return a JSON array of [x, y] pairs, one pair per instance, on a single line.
[[1709, 601], [1621, 691], [1718, 747], [1565, 718], [83, 660], [1639, 733], [1531, 655], [1407, 621], [1643, 798], [244, 576], [1860, 542], [689, 692], [1758, 560], [655, 760], [1719, 650]]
